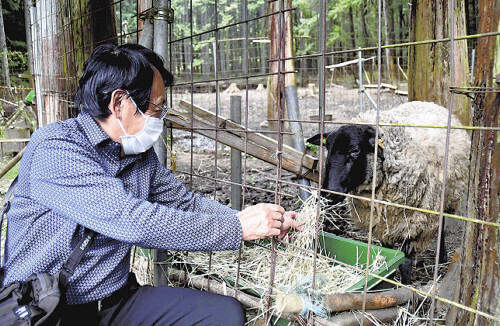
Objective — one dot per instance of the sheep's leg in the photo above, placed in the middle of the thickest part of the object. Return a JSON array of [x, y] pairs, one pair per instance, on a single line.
[[406, 267], [442, 246]]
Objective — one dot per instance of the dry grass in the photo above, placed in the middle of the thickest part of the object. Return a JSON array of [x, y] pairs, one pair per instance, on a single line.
[[293, 267]]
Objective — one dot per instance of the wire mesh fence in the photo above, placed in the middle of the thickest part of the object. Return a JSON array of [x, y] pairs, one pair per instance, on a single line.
[[222, 56]]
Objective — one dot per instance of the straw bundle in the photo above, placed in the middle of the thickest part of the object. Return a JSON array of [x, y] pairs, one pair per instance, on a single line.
[[293, 267]]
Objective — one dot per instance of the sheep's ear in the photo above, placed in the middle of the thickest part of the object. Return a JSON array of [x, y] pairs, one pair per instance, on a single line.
[[316, 139], [370, 133]]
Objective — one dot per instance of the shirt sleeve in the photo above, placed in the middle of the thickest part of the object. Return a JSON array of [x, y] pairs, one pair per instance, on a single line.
[[71, 180], [166, 189]]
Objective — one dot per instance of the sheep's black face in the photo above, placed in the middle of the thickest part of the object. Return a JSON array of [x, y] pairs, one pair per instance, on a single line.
[[345, 167]]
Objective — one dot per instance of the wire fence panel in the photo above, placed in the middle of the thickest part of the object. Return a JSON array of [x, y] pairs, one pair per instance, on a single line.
[[250, 76]]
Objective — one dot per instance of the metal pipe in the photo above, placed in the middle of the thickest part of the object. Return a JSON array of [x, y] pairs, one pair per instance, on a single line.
[[146, 38], [360, 81], [292, 105], [160, 46], [236, 179], [472, 66], [217, 90]]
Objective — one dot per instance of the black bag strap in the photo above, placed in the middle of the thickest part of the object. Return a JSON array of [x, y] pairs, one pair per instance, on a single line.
[[74, 258], [5, 209], [6, 201]]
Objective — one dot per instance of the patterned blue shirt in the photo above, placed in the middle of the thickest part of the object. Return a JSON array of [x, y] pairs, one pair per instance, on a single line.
[[72, 175]]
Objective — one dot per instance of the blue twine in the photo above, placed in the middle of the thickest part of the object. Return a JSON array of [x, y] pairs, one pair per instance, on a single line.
[[312, 301]]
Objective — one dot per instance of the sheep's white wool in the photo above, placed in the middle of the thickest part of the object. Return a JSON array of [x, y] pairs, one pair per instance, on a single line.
[[412, 173]]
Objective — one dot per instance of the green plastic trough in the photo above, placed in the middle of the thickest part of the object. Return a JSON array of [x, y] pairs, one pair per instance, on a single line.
[[354, 252]]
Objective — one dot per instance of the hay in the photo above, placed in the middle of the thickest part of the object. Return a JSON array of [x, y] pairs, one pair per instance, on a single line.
[[294, 268]]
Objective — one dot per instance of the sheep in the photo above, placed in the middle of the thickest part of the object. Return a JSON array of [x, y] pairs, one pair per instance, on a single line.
[[409, 172]]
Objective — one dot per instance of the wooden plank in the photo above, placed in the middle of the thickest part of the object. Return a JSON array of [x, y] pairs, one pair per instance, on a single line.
[[308, 161], [383, 85], [14, 140], [239, 143], [343, 64]]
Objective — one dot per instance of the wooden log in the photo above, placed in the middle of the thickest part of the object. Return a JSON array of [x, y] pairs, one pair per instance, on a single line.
[[377, 300], [12, 162], [288, 163], [252, 302], [346, 301], [354, 318], [308, 161], [201, 283]]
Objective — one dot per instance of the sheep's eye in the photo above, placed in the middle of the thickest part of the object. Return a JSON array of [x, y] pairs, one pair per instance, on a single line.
[[355, 152]]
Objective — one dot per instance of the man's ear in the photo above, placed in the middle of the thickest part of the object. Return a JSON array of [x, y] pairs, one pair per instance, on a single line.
[[115, 103]]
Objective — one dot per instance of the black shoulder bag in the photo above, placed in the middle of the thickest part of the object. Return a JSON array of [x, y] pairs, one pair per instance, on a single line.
[[36, 301]]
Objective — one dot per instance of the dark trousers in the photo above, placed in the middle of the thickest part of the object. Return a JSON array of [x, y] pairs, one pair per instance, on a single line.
[[162, 305]]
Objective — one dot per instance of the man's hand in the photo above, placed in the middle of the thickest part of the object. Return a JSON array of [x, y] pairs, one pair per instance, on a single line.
[[289, 222], [266, 220]]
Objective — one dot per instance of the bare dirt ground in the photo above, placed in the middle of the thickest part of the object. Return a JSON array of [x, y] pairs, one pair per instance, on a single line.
[[200, 163]]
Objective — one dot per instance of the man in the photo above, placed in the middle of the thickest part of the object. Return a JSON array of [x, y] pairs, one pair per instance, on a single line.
[[98, 171]]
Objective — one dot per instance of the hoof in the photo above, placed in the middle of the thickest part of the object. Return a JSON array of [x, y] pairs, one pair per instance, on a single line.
[[405, 270], [443, 259]]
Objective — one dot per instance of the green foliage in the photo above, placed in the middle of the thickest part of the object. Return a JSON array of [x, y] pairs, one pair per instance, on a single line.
[[12, 173], [18, 66], [13, 16], [201, 18], [126, 17], [312, 148]]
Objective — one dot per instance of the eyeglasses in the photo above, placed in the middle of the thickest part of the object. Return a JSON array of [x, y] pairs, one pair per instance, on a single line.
[[160, 109]]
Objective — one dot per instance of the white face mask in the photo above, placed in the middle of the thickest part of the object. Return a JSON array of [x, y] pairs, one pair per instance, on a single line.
[[144, 139]]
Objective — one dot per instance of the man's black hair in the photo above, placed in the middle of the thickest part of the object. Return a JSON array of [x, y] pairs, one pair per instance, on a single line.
[[128, 67]]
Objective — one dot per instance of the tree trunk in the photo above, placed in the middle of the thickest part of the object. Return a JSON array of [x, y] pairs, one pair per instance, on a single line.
[[402, 28], [471, 9], [303, 63], [29, 45], [389, 30], [281, 41], [48, 74], [429, 69], [275, 83], [479, 280], [187, 48], [245, 62], [207, 52], [3, 51], [364, 27], [351, 28], [86, 24]]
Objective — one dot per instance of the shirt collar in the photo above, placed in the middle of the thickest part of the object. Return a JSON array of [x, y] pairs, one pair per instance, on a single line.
[[92, 129]]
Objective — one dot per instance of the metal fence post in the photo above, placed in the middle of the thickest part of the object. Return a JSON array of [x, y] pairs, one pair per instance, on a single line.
[[236, 190]]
